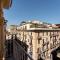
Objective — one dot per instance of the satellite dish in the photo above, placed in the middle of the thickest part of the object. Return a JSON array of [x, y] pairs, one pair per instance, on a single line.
[[7, 4]]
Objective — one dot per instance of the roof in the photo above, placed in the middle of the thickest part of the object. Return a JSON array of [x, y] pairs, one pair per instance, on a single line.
[[43, 29], [58, 25]]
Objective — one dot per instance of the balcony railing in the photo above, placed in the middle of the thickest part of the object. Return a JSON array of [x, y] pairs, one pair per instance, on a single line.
[[20, 50]]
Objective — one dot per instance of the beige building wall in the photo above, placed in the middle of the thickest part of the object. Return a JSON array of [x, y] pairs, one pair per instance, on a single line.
[[41, 41], [34, 44], [46, 44]]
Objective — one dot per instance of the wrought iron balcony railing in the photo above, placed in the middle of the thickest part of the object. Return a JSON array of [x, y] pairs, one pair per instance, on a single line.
[[20, 50]]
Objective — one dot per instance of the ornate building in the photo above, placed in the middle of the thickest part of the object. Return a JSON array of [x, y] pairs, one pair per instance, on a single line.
[[42, 38]]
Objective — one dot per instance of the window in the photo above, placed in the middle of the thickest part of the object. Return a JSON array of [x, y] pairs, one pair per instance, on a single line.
[[31, 38], [25, 37], [43, 33], [43, 41], [38, 56], [31, 33], [38, 34], [45, 48], [25, 27], [43, 55], [38, 50], [50, 33], [46, 33], [47, 45], [38, 41], [28, 40], [51, 45]]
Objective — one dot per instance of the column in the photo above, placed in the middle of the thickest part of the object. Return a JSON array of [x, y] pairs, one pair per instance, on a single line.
[[2, 38], [34, 44], [2, 35]]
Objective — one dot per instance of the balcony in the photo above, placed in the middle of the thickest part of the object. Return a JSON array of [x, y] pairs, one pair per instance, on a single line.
[[19, 50]]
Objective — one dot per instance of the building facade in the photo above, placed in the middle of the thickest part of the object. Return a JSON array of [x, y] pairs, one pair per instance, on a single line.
[[41, 38]]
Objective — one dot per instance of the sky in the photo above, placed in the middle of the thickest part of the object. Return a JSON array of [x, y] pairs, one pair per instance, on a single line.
[[42, 10]]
